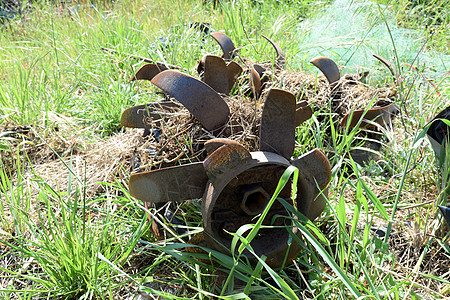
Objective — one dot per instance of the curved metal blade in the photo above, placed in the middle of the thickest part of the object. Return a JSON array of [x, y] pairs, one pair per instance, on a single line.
[[446, 213], [215, 73], [281, 59], [256, 73], [148, 71], [201, 100], [224, 159], [387, 64], [233, 72], [328, 67], [144, 116], [302, 112], [170, 184], [380, 115], [277, 131], [315, 167], [225, 43]]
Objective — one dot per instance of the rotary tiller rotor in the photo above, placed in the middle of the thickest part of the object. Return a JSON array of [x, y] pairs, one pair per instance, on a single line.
[[366, 118], [235, 185]]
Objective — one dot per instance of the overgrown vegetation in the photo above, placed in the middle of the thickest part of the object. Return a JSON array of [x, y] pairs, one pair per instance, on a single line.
[[69, 228]]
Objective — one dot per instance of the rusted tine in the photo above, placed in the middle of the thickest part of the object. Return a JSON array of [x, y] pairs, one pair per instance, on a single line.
[[178, 183], [438, 131], [281, 59], [277, 131], [315, 166], [201, 100], [302, 112], [256, 72], [142, 58], [148, 71], [225, 43], [215, 73], [328, 67], [233, 72], [387, 63], [380, 115], [144, 116]]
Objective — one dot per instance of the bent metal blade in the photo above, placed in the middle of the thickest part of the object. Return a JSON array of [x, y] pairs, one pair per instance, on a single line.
[[225, 43], [280, 61], [302, 112], [328, 67], [380, 115], [177, 183], [146, 115], [387, 64], [201, 100], [148, 71], [277, 131]]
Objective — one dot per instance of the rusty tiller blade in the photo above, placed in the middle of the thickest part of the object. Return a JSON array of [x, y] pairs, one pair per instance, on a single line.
[[281, 59], [225, 43], [215, 73], [302, 112], [277, 130], [147, 115], [328, 67], [387, 64], [148, 71], [315, 171], [256, 73], [233, 72], [219, 75], [315, 167], [380, 115], [227, 157], [177, 183], [201, 100]]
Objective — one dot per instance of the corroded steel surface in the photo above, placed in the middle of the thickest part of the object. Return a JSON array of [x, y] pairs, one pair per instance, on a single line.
[[218, 74], [256, 72], [147, 115], [446, 213], [277, 131], [280, 61], [148, 71], [170, 184], [380, 115], [225, 43], [302, 112], [214, 144], [328, 67], [201, 100]]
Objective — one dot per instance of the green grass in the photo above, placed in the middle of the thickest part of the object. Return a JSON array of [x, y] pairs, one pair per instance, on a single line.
[[68, 242]]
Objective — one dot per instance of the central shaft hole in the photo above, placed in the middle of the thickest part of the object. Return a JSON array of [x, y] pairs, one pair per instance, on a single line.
[[254, 200]]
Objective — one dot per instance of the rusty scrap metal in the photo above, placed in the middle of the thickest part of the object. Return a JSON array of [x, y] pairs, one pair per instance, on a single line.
[[218, 74], [236, 184], [328, 67], [147, 115], [148, 71], [201, 100], [225, 43], [380, 115], [280, 60]]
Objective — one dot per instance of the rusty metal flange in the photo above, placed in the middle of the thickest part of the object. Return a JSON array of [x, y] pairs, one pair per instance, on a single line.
[[328, 67], [438, 133], [280, 60]]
